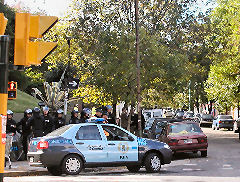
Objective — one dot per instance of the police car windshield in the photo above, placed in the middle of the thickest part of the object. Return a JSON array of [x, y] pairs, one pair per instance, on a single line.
[[59, 131]]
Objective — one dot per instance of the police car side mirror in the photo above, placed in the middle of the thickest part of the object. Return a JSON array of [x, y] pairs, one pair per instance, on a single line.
[[130, 138]]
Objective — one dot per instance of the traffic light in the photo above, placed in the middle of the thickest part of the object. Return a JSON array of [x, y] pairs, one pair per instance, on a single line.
[[28, 51], [3, 24], [12, 90]]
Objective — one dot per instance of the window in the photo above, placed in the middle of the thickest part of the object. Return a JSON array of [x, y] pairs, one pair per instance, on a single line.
[[59, 131], [115, 134], [225, 117], [88, 133], [184, 128]]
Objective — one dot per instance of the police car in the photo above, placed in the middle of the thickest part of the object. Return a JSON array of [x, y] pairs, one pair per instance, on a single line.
[[71, 148]]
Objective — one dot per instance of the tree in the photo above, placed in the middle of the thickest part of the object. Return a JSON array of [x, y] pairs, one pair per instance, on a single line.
[[222, 85]]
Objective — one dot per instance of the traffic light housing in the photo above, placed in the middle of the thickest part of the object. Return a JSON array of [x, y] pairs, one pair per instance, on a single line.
[[28, 51], [12, 90], [3, 24]]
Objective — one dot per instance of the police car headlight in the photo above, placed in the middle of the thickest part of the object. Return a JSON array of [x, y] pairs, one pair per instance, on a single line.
[[166, 146]]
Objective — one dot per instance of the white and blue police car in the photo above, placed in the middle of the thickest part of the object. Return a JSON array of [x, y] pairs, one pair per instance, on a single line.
[[71, 148]]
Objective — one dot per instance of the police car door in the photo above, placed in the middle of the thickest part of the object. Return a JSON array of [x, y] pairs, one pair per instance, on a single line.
[[89, 142], [121, 146]]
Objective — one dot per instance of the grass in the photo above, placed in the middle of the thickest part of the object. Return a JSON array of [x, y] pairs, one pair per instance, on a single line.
[[23, 102]]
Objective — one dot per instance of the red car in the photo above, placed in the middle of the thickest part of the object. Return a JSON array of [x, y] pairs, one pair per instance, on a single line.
[[184, 137]]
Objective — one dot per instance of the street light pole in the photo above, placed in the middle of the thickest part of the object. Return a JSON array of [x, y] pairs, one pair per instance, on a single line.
[[66, 82], [138, 70], [189, 95]]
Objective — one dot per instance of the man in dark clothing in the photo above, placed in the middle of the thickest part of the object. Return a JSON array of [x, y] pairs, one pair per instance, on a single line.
[[26, 130], [99, 112], [48, 120], [37, 123], [85, 115], [134, 124], [111, 117], [11, 124], [74, 117], [59, 121], [124, 118]]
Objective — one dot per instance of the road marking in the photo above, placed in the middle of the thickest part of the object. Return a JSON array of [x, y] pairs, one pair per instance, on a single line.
[[187, 169], [190, 164]]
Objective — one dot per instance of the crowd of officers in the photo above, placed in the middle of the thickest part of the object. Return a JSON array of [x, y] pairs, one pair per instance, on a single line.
[[34, 124]]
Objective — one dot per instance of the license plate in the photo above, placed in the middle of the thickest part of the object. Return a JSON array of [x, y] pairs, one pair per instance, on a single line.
[[31, 159], [188, 141]]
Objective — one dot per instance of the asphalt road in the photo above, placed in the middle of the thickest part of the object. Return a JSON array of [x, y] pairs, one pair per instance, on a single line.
[[221, 165]]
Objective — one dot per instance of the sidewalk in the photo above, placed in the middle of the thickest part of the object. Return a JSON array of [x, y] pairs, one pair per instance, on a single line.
[[21, 168]]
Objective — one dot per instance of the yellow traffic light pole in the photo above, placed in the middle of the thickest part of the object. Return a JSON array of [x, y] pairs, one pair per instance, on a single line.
[[4, 44]]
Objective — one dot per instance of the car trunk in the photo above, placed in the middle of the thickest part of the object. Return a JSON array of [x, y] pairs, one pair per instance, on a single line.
[[33, 145], [187, 139]]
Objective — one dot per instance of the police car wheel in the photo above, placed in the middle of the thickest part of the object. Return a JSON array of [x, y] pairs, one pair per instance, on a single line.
[[153, 163], [133, 168], [56, 170], [72, 165]]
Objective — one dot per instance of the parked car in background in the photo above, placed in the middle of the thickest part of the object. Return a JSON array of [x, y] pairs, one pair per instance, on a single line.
[[168, 113], [188, 115], [179, 114], [206, 119], [223, 121], [152, 113], [185, 136], [154, 127]]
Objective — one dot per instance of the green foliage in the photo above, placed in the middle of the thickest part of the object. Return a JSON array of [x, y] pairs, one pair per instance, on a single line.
[[23, 102], [223, 85]]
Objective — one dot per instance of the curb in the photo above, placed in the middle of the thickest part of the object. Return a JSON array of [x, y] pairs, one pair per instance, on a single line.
[[45, 172], [25, 173]]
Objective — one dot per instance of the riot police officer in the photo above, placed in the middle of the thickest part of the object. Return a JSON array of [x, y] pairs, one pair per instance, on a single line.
[[26, 130], [48, 120], [36, 122], [11, 124], [85, 114], [99, 112], [111, 117], [59, 121], [74, 117]]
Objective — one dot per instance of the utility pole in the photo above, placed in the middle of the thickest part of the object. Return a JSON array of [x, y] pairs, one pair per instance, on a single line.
[[66, 82], [189, 95], [4, 44], [138, 70]]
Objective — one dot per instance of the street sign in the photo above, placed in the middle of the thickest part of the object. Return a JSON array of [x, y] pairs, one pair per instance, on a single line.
[[12, 90], [73, 83]]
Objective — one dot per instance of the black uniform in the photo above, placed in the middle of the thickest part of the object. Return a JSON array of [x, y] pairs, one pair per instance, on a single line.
[[83, 120], [74, 120], [48, 124], [26, 131], [111, 118], [38, 125], [59, 122], [11, 126]]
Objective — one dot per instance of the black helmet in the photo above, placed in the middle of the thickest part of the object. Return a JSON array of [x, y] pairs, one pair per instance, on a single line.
[[87, 111], [60, 111], [108, 107], [9, 112], [99, 110], [74, 111], [28, 111], [36, 110]]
